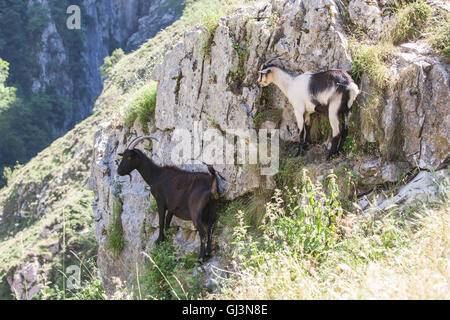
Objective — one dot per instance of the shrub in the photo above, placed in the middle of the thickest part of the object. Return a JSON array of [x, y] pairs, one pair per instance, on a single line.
[[301, 222], [307, 250]]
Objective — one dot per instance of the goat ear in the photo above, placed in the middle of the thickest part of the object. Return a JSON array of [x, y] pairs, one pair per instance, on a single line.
[[266, 71], [133, 152]]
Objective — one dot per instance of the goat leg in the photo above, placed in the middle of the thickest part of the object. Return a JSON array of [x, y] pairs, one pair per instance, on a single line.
[[300, 143], [334, 146], [211, 214], [161, 214], [307, 137], [199, 226], [334, 122], [168, 219], [344, 133]]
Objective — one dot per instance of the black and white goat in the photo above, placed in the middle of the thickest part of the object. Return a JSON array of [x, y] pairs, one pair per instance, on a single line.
[[332, 91]]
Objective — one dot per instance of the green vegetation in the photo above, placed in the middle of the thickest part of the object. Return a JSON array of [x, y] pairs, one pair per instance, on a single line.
[[287, 174], [267, 111], [143, 107], [55, 179], [440, 36], [208, 14], [242, 54], [211, 25], [87, 286], [251, 205], [371, 60], [308, 249], [25, 231], [274, 115], [32, 119], [166, 276], [110, 61], [410, 21], [115, 230]]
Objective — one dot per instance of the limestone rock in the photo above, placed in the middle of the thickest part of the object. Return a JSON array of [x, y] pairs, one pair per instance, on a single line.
[[422, 98], [367, 14], [27, 280], [426, 186]]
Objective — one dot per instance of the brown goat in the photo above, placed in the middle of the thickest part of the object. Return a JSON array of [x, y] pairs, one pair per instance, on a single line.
[[187, 195]]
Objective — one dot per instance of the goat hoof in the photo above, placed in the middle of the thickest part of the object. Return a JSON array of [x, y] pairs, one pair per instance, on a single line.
[[204, 258], [331, 156]]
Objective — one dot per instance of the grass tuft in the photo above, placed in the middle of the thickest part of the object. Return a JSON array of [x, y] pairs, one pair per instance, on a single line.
[[143, 107], [371, 60], [166, 276], [110, 62], [440, 37], [410, 22], [115, 231]]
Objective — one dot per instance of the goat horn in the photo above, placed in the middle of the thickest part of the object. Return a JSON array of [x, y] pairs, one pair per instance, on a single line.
[[139, 139], [132, 141], [272, 59]]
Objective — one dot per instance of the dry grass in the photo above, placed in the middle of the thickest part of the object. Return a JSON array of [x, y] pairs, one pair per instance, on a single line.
[[417, 271], [403, 254]]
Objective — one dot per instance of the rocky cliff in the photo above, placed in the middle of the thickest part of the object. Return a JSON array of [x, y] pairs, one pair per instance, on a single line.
[[55, 65], [49, 190], [105, 25], [213, 86]]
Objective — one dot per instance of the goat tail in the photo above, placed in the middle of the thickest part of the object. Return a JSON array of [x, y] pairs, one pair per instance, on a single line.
[[214, 187], [353, 93]]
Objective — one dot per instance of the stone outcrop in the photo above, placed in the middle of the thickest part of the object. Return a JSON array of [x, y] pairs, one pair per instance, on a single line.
[[28, 280], [425, 187], [413, 123]]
